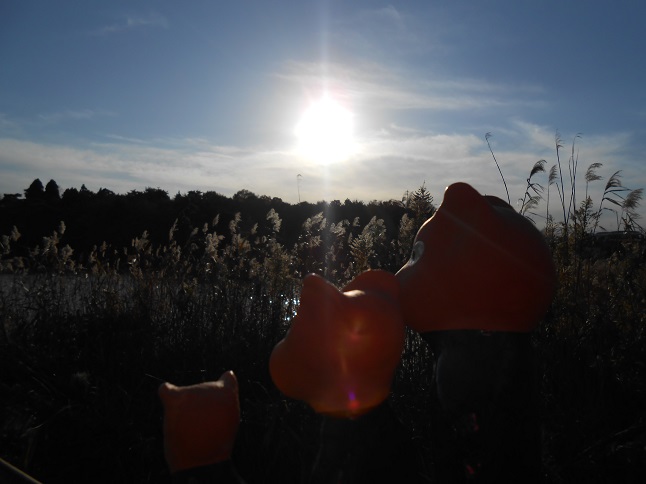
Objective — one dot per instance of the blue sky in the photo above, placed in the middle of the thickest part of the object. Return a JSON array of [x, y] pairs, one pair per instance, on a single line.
[[206, 95]]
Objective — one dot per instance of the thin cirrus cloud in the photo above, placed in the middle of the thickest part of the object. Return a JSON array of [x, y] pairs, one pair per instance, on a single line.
[[379, 87], [387, 16], [72, 115], [131, 22], [364, 31], [7, 124]]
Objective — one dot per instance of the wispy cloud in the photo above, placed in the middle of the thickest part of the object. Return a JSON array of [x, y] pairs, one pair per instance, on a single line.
[[387, 15], [125, 139], [7, 124], [383, 32], [131, 22], [72, 115], [379, 87]]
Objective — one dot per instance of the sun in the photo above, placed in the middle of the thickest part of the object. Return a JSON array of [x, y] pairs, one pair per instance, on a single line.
[[325, 132]]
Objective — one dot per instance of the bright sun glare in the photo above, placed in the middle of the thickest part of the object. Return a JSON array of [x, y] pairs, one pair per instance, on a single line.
[[325, 132]]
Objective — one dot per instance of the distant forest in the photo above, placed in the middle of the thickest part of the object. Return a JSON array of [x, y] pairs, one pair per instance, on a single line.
[[93, 218]]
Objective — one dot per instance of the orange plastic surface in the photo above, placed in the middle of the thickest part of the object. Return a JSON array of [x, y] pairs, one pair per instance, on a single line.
[[200, 422], [478, 264], [343, 347]]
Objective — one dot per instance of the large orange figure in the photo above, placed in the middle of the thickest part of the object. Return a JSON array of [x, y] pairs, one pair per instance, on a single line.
[[479, 280], [477, 264]]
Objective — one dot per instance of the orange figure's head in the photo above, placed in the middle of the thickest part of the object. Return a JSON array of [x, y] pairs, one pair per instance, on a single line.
[[476, 264], [200, 422], [343, 347]]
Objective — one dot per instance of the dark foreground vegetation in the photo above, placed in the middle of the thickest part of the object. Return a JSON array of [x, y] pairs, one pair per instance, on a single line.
[[133, 290]]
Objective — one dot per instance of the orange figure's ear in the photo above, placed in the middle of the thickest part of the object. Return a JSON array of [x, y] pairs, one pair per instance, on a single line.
[[477, 264], [343, 347], [200, 422]]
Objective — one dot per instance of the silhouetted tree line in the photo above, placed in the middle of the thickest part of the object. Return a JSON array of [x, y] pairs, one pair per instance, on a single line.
[[92, 218]]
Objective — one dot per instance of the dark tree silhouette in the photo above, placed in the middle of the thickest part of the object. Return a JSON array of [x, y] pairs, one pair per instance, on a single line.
[[36, 191], [11, 198], [104, 193], [70, 195], [85, 193], [421, 203], [52, 193]]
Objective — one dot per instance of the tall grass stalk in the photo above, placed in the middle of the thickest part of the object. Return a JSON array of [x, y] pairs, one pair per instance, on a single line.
[[487, 136]]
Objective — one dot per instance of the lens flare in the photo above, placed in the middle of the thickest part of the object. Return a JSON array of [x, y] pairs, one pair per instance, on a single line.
[[353, 403]]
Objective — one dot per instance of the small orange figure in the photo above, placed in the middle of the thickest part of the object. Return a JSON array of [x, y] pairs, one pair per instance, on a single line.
[[200, 422], [343, 347]]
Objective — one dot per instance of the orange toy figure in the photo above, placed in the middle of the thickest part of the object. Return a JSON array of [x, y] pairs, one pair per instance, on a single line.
[[343, 347], [200, 425], [477, 264], [339, 356], [479, 280]]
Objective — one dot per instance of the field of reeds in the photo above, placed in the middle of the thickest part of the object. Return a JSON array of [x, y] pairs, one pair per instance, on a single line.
[[84, 344]]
